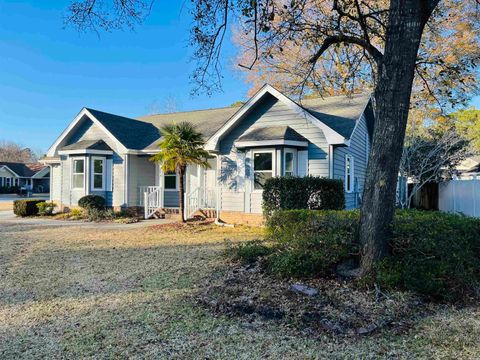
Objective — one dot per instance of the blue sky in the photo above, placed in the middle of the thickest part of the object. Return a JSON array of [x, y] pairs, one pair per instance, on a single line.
[[47, 73]]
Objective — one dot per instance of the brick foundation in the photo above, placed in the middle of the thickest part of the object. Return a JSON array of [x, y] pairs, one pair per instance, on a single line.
[[241, 218]]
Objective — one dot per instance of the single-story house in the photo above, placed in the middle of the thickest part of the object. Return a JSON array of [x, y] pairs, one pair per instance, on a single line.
[[270, 135], [33, 177]]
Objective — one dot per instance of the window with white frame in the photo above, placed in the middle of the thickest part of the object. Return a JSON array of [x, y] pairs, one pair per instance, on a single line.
[[170, 181], [98, 173], [8, 182], [262, 168], [78, 173], [349, 173], [289, 162]]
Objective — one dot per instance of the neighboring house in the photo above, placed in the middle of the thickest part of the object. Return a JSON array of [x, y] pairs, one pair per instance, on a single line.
[[30, 177], [469, 168], [270, 135]]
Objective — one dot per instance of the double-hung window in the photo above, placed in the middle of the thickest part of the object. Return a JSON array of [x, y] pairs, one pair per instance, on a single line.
[[349, 173], [8, 182], [98, 173], [78, 173], [289, 163], [170, 181], [262, 168]]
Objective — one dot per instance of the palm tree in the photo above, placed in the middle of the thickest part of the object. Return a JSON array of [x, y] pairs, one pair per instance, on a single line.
[[181, 145]]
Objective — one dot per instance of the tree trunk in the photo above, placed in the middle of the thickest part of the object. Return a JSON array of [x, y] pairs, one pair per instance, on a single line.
[[407, 19], [181, 174]]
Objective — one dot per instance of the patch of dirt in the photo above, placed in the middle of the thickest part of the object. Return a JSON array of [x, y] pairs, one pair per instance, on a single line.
[[338, 309]]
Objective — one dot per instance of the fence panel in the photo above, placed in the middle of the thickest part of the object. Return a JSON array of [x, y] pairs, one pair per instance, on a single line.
[[460, 196]]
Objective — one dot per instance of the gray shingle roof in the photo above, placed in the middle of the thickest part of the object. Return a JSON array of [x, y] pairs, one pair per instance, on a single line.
[[133, 134], [338, 112], [272, 133], [88, 144], [23, 170]]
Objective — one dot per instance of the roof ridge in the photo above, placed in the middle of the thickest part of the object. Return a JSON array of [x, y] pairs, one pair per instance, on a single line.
[[190, 111]]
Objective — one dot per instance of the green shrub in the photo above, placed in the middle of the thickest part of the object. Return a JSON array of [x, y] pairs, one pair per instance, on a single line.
[[94, 214], [26, 207], [434, 254], [45, 208], [286, 193], [310, 242], [92, 202], [248, 252]]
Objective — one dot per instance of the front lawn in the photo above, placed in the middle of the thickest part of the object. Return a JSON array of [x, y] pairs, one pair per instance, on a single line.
[[68, 292]]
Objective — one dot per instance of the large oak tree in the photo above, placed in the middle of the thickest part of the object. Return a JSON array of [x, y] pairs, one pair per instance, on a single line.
[[386, 34]]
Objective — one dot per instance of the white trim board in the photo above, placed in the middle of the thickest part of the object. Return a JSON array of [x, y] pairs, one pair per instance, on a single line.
[[244, 144], [85, 151], [331, 135]]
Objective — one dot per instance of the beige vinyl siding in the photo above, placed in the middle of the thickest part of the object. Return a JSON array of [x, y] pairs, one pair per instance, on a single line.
[[268, 112], [56, 183], [141, 172], [232, 200], [357, 149], [88, 130], [118, 187]]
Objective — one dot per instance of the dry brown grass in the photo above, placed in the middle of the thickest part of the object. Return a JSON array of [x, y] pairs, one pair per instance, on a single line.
[[68, 292], [6, 205]]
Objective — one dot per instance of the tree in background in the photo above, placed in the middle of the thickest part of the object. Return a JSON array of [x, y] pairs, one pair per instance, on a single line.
[[181, 145], [13, 152], [388, 37], [431, 155], [467, 122]]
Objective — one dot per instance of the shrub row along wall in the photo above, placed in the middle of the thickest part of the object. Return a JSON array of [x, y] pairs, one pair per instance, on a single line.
[[285, 193], [434, 254]]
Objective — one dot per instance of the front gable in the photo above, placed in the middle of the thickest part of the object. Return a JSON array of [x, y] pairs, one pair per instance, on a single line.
[[85, 127], [268, 97]]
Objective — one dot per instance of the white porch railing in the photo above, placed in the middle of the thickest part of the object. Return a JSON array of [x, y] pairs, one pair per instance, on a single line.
[[145, 189], [152, 199], [200, 199]]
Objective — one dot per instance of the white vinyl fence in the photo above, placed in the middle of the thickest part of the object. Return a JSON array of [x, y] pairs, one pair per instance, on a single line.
[[460, 196]]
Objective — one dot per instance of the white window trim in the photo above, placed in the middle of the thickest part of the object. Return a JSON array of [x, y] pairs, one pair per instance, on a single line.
[[352, 173], [72, 172], [295, 162], [274, 166], [92, 173], [176, 182]]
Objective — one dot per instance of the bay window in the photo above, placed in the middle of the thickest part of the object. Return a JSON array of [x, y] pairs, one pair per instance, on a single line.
[[262, 168], [289, 163], [78, 173]]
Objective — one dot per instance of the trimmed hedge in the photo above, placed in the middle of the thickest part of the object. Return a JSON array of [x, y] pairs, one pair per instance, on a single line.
[[26, 207], [290, 192], [89, 202], [434, 254]]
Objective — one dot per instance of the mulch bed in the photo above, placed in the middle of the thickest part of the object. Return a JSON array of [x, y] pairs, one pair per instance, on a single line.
[[338, 309]]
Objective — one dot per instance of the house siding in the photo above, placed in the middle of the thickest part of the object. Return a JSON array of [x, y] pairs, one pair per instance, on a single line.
[[56, 183], [141, 172], [357, 148], [234, 164]]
